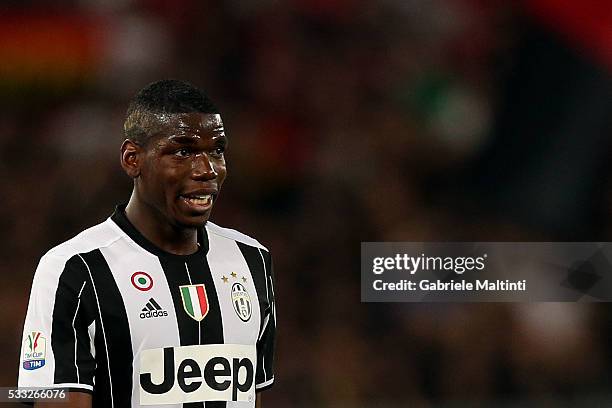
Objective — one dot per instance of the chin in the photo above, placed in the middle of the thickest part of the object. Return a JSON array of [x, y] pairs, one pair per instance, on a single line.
[[192, 222]]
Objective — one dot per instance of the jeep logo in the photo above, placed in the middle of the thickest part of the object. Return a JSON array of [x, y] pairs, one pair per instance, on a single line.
[[197, 373]]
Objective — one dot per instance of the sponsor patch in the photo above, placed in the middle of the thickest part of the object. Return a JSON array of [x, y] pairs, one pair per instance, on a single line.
[[211, 372], [34, 350], [195, 301], [142, 281], [241, 301]]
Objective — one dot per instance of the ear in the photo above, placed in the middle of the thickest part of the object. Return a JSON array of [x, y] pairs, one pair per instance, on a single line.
[[130, 158]]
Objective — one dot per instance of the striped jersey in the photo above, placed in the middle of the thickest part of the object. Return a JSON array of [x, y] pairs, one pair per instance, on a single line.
[[113, 315]]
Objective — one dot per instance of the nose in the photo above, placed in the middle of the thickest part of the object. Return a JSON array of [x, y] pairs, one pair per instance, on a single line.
[[202, 168]]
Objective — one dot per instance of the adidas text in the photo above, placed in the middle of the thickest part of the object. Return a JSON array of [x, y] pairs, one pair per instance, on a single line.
[[154, 313]]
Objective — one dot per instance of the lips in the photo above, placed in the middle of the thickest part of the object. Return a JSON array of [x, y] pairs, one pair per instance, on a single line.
[[205, 199], [199, 201]]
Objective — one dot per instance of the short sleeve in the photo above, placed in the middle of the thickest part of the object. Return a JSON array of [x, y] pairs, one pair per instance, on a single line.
[[57, 346], [264, 377]]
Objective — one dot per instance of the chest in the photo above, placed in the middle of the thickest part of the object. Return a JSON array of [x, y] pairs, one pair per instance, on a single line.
[[183, 301]]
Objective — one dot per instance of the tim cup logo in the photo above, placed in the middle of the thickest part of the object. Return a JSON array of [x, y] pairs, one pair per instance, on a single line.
[[34, 346]]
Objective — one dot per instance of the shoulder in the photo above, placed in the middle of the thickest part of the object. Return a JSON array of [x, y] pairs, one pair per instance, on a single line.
[[98, 236], [216, 230]]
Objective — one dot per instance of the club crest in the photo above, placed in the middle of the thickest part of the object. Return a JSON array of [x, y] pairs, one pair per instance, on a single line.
[[241, 301], [195, 301]]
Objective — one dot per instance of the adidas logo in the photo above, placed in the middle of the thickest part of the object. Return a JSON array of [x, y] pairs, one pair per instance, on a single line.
[[152, 309]]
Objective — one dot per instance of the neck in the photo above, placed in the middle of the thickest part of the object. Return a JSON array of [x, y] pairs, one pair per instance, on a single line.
[[154, 227]]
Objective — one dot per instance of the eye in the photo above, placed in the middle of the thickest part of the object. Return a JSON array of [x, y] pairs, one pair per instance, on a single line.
[[182, 152], [218, 151]]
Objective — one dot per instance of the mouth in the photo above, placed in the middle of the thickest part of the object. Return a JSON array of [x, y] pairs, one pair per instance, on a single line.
[[198, 202]]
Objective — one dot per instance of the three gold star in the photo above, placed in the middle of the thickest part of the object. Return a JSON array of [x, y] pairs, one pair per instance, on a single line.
[[234, 275]]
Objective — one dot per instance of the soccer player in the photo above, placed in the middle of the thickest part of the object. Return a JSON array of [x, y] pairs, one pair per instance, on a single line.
[[157, 305]]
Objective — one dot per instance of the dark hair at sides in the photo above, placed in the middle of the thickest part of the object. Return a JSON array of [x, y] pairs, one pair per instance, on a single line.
[[167, 96]]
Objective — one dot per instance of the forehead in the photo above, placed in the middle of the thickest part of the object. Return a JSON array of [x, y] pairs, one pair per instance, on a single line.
[[197, 125]]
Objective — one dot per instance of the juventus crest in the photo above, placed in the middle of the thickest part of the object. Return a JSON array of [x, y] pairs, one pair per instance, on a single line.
[[241, 301]]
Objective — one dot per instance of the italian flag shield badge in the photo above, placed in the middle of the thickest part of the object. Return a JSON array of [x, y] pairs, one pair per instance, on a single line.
[[195, 301]]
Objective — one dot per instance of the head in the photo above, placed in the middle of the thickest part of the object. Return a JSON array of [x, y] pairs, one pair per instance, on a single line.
[[174, 152]]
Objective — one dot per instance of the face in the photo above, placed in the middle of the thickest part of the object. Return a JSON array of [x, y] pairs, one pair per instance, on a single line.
[[181, 169]]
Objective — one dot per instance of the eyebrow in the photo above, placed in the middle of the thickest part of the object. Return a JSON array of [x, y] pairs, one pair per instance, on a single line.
[[218, 128], [190, 140]]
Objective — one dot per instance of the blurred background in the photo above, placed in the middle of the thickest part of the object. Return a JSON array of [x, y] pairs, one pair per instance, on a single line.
[[348, 121]]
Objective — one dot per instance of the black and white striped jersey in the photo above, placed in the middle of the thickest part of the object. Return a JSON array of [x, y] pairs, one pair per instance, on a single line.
[[112, 314]]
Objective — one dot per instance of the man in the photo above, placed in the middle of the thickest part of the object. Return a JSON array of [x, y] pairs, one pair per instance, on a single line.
[[157, 305]]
